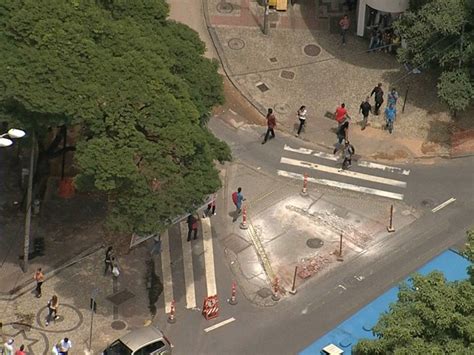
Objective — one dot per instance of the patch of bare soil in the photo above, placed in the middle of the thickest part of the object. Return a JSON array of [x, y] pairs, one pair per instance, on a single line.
[[395, 155]]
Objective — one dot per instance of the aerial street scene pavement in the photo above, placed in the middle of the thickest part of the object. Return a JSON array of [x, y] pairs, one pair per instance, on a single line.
[[237, 177]]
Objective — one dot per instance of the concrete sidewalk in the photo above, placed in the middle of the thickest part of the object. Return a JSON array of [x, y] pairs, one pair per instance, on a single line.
[[302, 62]]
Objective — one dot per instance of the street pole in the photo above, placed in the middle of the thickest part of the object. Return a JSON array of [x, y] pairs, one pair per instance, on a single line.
[[405, 99], [93, 306], [26, 250], [265, 18]]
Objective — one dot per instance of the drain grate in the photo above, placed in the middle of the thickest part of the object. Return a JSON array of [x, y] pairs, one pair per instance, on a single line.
[[286, 74], [121, 297], [118, 325], [262, 87], [312, 50], [236, 44], [273, 59], [314, 243]]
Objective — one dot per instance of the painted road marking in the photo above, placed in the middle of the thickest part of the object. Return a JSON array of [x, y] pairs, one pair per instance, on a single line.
[[342, 185], [390, 169], [362, 163], [188, 266], [218, 325], [348, 173], [209, 257], [444, 204], [166, 267]]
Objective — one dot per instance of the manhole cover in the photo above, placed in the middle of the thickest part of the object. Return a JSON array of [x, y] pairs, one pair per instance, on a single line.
[[264, 292], [286, 74], [314, 243], [273, 59], [236, 44], [121, 297], [262, 87], [282, 108], [311, 50], [225, 8], [427, 203], [118, 325]]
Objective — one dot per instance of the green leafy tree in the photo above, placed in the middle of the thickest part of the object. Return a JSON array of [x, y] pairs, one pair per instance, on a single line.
[[138, 86], [439, 35], [431, 316]]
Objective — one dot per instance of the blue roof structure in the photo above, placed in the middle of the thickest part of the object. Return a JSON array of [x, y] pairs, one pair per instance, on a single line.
[[359, 325]]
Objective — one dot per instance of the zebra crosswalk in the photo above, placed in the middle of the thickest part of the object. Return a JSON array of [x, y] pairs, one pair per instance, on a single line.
[[183, 265], [364, 177]]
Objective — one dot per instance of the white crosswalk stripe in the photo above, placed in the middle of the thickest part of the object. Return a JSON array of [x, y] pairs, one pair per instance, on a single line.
[[318, 173], [188, 267], [166, 269]]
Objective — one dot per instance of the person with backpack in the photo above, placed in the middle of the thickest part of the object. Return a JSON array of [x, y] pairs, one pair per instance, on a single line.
[[378, 91], [365, 108], [53, 305], [192, 226], [342, 134], [302, 118], [348, 153], [237, 199], [271, 124]]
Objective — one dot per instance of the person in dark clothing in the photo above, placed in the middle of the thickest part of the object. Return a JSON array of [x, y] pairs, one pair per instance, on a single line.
[[348, 153], [302, 118], [108, 260], [192, 226], [271, 124], [342, 134], [378, 97], [365, 108]]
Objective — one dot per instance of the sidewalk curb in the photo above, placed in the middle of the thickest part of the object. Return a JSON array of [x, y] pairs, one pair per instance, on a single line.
[[23, 288]]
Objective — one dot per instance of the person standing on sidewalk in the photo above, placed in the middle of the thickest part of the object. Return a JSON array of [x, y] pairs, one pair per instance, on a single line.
[[365, 108], [192, 226], [21, 351], [64, 346], [378, 97], [271, 124], [237, 199], [302, 117], [392, 97], [8, 347], [211, 207], [341, 114], [53, 305], [39, 278], [390, 116], [109, 254], [348, 153], [344, 24]]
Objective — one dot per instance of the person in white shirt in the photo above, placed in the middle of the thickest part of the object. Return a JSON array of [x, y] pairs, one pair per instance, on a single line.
[[64, 346], [302, 117], [8, 347]]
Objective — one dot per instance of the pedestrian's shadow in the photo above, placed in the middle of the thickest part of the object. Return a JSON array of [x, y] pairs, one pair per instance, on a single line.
[[235, 215]]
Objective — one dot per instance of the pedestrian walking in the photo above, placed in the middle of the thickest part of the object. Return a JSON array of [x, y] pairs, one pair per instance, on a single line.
[[390, 116], [365, 109], [237, 199], [39, 278], [8, 348], [344, 24], [378, 91], [21, 350], [342, 134], [211, 207], [192, 226], [64, 346], [302, 117], [53, 305], [392, 97], [109, 254], [341, 114], [271, 124], [115, 267], [348, 153]]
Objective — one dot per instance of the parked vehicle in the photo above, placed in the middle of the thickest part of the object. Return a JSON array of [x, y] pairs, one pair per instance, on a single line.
[[144, 341]]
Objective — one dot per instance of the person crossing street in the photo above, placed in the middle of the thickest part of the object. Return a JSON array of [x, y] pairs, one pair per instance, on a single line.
[[347, 154], [271, 124]]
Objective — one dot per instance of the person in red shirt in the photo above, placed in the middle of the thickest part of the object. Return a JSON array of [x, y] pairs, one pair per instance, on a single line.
[[341, 114], [21, 351], [271, 124]]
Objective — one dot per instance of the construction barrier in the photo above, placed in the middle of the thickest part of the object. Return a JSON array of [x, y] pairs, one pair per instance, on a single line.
[[276, 289], [390, 228], [244, 224], [304, 191], [66, 188], [233, 297], [171, 316], [210, 309]]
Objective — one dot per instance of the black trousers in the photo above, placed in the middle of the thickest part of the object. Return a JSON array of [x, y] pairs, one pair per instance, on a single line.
[[108, 265], [302, 122], [38, 288], [190, 231], [377, 107], [209, 209], [269, 131], [50, 314]]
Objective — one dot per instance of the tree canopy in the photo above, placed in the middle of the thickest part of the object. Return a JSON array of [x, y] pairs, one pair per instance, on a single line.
[[431, 316], [139, 87], [440, 34]]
